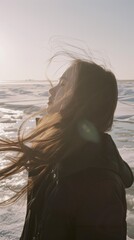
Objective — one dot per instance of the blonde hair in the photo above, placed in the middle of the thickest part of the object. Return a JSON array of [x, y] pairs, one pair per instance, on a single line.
[[58, 135]]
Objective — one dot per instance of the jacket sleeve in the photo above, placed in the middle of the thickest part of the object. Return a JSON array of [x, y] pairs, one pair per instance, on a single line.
[[126, 174], [102, 213]]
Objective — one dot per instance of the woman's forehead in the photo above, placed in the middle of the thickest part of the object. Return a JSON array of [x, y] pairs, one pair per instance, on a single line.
[[69, 73]]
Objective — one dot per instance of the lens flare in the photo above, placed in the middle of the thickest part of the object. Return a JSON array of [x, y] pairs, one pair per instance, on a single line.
[[88, 131]]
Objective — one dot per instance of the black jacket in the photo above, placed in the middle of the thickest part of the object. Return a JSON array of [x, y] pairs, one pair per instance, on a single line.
[[85, 199]]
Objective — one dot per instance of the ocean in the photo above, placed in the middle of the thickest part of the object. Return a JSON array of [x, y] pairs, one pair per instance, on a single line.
[[17, 102]]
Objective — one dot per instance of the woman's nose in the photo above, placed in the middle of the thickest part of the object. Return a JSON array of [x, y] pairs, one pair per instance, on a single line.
[[52, 90]]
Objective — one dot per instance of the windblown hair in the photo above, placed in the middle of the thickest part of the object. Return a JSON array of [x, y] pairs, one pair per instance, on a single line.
[[94, 99]]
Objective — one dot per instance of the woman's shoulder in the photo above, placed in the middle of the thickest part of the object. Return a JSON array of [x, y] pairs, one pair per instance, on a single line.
[[95, 162], [122, 168], [89, 178]]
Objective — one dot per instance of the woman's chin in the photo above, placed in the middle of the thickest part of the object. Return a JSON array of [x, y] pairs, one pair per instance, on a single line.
[[51, 109]]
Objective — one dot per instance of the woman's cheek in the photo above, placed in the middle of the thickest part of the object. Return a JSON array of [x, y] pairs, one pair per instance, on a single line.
[[59, 96]]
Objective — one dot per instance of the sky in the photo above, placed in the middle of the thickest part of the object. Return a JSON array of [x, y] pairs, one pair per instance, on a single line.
[[29, 30]]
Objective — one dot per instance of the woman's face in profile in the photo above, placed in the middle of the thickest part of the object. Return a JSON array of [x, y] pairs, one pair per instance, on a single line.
[[59, 95]]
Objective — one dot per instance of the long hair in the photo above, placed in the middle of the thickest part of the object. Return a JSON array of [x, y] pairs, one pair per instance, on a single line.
[[57, 136]]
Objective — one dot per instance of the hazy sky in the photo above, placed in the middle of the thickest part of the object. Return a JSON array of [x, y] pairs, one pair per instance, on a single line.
[[26, 26]]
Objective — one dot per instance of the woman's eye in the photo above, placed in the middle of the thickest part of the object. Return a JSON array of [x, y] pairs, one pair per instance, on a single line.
[[62, 84]]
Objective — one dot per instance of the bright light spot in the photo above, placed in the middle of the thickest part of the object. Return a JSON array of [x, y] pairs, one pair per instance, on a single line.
[[88, 131]]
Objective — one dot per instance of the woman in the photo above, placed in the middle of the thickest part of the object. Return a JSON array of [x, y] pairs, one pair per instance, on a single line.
[[77, 178]]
